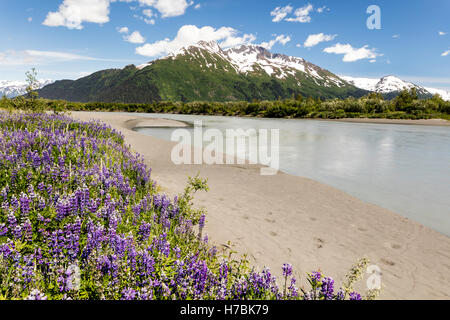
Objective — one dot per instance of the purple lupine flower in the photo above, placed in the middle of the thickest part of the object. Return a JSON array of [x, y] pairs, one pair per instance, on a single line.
[[316, 276], [327, 289], [129, 294], [287, 270], [27, 230], [17, 232], [3, 229], [202, 220], [355, 296], [340, 295], [35, 294]]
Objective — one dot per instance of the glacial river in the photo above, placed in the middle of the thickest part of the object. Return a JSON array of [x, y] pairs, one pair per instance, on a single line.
[[404, 168]]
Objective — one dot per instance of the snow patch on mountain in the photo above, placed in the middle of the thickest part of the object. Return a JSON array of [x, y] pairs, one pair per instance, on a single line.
[[384, 85], [443, 93], [252, 58], [12, 89], [391, 84]]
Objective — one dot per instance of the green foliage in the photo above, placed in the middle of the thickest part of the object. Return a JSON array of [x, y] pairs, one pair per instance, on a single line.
[[32, 103], [193, 186], [371, 106]]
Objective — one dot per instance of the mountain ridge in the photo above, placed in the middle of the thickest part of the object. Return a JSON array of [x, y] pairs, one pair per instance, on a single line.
[[390, 86], [206, 72]]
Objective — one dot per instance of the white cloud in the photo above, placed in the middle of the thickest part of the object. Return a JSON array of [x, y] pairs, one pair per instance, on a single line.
[[442, 33], [282, 39], [396, 36], [190, 35], [72, 13], [149, 16], [198, 6], [315, 39], [279, 13], [123, 30], [302, 14], [353, 54], [30, 19], [57, 55], [298, 45], [135, 37], [299, 15], [322, 9], [33, 57], [148, 12], [446, 53], [167, 8]]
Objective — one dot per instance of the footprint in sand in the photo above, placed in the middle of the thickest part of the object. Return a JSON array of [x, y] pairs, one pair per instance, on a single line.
[[273, 234], [388, 262], [320, 243]]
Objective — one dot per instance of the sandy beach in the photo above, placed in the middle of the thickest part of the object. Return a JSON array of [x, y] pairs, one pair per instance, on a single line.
[[284, 218]]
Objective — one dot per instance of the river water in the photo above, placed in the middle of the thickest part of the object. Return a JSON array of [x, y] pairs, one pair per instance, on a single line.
[[404, 168]]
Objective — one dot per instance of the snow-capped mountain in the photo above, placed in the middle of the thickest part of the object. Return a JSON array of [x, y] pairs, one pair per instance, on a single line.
[[13, 89], [207, 72], [386, 84], [443, 93], [247, 59], [392, 84]]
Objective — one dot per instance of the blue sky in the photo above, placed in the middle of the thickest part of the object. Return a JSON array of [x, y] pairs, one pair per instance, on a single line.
[[72, 38]]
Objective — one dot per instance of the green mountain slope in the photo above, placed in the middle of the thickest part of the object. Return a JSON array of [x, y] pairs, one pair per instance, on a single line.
[[206, 73]]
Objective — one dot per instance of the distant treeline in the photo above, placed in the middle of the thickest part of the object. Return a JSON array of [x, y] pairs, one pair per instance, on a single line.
[[406, 105]]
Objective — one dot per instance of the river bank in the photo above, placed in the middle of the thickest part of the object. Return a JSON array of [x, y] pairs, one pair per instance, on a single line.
[[284, 218]]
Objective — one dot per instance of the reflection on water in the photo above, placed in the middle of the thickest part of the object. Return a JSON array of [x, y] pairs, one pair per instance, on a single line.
[[402, 168]]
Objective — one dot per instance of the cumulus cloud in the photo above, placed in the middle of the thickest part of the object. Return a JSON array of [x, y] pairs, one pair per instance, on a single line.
[[446, 53], [302, 14], [190, 35], [123, 30], [135, 37], [298, 15], [442, 33], [279, 13], [73, 13], [168, 8], [282, 39], [353, 54], [315, 39]]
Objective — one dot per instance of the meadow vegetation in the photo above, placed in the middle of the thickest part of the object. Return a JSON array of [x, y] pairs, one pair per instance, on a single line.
[[81, 218], [406, 105]]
